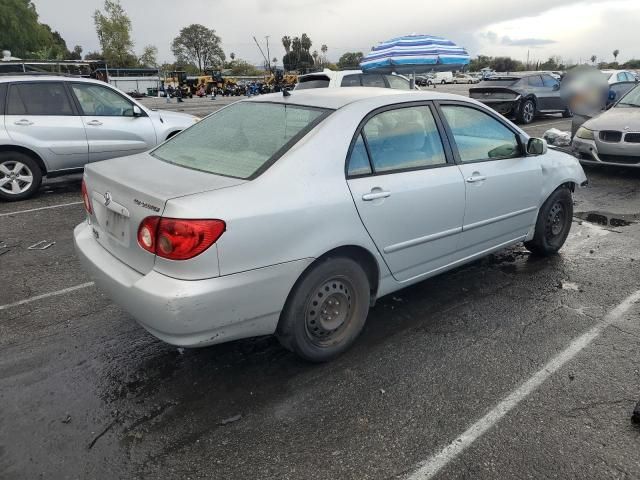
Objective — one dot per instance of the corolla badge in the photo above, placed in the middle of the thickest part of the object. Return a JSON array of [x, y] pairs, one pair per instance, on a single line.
[[107, 199]]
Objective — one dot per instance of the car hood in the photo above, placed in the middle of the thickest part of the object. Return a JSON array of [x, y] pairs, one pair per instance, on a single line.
[[616, 119], [175, 118]]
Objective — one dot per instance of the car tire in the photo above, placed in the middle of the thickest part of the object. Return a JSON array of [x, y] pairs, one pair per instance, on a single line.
[[20, 176], [553, 224], [567, 113], [470, 82], [527, 112], [443, 82], [307, 327]]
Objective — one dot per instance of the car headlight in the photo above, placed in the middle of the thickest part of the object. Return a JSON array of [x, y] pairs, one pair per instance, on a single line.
[[584, 133]]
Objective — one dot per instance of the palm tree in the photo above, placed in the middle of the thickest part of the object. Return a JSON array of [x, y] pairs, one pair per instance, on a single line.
[[615, 55], [593, 59], [286, 43], [324, 49], [275, 61], [305, 42], [232, 56], [315, 56]]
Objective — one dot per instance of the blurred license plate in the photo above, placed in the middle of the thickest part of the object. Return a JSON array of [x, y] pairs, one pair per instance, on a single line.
[[116, 225]]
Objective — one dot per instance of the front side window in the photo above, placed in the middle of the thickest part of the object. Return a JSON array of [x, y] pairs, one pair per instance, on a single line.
[[351, 81], [44, 98], [535, 81], [398, 83], [404, 138], [478, 135], [373, 80], [241, 139], [549, 81], [96, 100]]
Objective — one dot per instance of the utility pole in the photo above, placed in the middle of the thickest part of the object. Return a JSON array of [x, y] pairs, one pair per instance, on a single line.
[[268, 54]]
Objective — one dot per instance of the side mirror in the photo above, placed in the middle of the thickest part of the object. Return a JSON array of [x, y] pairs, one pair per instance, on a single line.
[[137, 111], [556, 86], [536, 146]]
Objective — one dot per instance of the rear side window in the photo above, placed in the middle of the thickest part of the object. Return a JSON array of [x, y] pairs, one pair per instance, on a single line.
[[371, 80], [45, 98], [404, 138], [479, 136], [3, 96], [359, 160], [535, 81], [240, 140], [351, 81], [313, 82]]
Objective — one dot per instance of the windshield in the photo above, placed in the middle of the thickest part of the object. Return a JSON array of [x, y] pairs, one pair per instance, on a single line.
[[631, 99], [313, 82], [499, 82], [241, 140]]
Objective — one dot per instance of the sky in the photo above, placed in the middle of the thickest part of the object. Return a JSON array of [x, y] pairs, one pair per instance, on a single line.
[[573, 30]]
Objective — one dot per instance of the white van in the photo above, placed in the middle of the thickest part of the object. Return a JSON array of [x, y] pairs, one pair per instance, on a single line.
[[441, 78]]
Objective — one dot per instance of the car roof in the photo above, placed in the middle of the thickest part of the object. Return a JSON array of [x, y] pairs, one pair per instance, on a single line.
[[45, 78], [335, 98]]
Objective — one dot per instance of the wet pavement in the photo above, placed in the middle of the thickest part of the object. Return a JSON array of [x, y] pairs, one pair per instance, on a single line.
[[86, 393]]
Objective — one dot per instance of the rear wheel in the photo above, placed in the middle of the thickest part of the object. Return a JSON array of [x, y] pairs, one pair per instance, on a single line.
[[567, 113], [326, 310], [20, 176], [527, 112], [553, 224], [443, 82]]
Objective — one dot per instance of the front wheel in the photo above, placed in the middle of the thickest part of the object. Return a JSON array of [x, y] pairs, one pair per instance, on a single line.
[[553, 224], [20, 176], [567, 113], [326, 310]]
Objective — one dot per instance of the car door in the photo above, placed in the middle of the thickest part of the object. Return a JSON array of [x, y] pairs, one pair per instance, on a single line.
[[409, 197], [113, 129], [542, 93], [552, 93], [503, 186], [40, 115]]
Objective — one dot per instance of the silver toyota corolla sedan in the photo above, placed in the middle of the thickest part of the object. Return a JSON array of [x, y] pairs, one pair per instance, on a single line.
[[612, 137], [293, 214]]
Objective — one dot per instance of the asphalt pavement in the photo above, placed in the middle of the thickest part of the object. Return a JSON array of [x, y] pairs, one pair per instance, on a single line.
[[511, 367]]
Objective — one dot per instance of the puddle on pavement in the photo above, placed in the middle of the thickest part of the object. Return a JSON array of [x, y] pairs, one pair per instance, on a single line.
[[607, 219]]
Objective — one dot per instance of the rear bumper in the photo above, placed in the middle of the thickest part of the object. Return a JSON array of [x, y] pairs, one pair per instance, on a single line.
[[192, 313], [590, 152], [508, 108]]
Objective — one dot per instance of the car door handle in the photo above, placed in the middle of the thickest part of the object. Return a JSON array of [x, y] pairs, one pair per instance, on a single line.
[[23, 122], [367, 197], [94, 123], [476, 178]]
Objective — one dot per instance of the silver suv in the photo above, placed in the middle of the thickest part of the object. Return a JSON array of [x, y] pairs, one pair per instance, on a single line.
[[54, 125]]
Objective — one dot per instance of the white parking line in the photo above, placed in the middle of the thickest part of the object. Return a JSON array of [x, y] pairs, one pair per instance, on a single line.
[[548, 123], [41, 208], [438, 461], [47, 295]]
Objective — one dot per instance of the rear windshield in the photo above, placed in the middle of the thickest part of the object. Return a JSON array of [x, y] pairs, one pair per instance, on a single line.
[[313, 82], [499, 82], [241, 140]]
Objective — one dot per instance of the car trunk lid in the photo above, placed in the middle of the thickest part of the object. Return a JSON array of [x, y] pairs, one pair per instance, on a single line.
[[126, 190]]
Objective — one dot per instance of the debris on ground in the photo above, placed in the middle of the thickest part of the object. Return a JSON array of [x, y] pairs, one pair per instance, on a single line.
[[235, 418], [67, 419], [635, 418], [557, 138]]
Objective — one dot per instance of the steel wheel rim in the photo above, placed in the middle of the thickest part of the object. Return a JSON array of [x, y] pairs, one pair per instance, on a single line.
[[15, 177], [556, 220], [528, 112], [329, 311]]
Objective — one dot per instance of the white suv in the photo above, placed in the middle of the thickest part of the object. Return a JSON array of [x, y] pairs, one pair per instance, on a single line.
[[351, 78], [54, 125]]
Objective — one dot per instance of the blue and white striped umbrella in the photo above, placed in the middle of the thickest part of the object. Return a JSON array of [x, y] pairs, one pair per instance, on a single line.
[[415, 54]]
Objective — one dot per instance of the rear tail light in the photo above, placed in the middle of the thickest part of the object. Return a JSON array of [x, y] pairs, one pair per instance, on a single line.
[[85, 198], [178, 239]]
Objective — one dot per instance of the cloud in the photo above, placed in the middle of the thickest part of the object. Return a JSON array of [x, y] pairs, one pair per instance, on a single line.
[[526, 42]]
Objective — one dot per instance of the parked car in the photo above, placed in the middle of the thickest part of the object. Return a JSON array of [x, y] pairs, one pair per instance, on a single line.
[[220, 234], [54, 125], [351, 78], [521, 97], [616, 76], [441, 78], [465, 78], [613, 137]]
